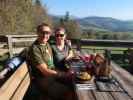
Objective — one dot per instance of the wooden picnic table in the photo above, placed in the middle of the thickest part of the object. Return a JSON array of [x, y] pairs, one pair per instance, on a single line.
[[104, 91], [98, 90]]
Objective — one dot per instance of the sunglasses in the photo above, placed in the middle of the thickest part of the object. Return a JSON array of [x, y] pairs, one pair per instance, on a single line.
[[59, 35], [45, 32]]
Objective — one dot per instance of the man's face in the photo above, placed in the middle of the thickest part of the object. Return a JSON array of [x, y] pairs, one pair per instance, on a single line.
[[45, 34]]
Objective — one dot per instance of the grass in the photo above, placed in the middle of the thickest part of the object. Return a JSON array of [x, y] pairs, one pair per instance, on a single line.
[[95, 49], [111, 48]]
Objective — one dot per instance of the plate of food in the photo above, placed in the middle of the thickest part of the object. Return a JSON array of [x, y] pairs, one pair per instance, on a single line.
[[83, 76]]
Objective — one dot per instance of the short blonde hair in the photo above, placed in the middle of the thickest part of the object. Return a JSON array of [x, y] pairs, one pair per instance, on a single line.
[[40, 27]]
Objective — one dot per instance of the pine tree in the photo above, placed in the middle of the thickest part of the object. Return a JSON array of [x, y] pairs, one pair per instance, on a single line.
[[67, 17], [38, 3], [72, 27]]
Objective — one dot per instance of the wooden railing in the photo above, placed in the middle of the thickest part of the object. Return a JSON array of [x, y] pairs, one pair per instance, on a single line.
[[11, 39], [18, 38]]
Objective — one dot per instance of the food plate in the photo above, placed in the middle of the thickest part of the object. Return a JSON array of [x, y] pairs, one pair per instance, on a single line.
[[83, 76]]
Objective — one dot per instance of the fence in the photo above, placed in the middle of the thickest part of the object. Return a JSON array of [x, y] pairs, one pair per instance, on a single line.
[[16, 43], [23, 40]]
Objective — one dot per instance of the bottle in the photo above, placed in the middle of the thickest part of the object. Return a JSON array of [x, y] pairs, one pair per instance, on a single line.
[[14, 62], [11, 65]]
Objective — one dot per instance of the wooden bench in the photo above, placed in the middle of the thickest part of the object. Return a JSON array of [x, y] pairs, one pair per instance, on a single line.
[[16, 86]]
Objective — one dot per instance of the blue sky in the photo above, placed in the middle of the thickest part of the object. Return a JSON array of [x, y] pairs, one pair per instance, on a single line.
[[120, 9]]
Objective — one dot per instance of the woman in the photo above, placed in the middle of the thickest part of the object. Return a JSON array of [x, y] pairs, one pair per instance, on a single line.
[[62, 50]]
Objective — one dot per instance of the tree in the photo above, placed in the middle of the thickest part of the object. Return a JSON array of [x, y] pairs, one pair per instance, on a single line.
[[115, 36], [72, 27], [67, 17], [40, 14], [22, 16], [24, 19], [16, 16], [38, 3]]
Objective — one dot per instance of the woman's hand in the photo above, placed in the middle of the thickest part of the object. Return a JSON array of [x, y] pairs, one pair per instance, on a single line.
[[70, 55], [67, 58]]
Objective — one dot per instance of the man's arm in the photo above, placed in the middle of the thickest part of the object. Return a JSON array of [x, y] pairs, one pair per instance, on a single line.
[[45, 70], [37, 61]]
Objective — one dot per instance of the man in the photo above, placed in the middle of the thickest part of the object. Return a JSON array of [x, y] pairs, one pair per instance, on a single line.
[[43, 69]]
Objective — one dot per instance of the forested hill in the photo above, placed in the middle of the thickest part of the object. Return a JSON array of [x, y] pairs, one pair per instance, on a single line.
[[103, 23], [107, 23]]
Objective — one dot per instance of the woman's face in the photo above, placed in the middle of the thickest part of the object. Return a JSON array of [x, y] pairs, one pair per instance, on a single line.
[[60, 37]]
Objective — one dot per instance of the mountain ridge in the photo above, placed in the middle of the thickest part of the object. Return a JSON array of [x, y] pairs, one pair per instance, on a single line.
[[105, 23]]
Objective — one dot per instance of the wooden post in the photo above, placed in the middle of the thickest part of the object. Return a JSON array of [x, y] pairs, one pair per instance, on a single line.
[[108, 56], [10, 47], [78, 45]]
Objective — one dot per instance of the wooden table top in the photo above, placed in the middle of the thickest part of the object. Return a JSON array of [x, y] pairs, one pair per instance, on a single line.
[[97, 90], [101, 91]]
